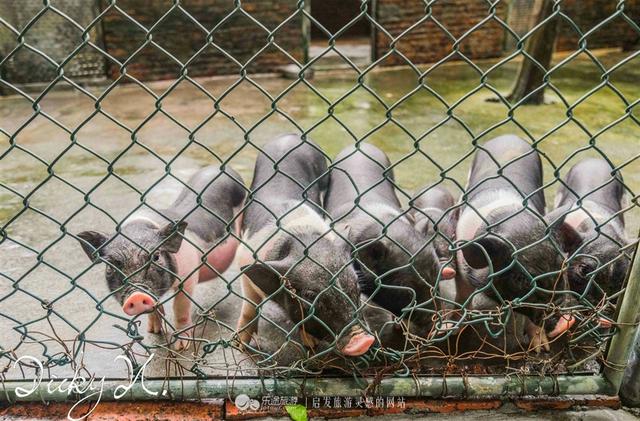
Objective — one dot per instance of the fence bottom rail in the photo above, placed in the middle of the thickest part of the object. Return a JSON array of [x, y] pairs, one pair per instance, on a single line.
[[188, 389]]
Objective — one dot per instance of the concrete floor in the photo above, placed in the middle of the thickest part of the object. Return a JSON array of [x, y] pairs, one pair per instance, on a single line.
[[586, 415], [501, 415], [355, 50]]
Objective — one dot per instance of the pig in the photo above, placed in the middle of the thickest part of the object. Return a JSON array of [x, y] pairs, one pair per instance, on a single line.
[[600, 191], [291, 255], [435, 205], [149, 255], [396, 266], [503, 216]]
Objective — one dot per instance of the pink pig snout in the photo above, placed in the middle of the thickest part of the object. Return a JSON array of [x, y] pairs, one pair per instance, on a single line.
[[358, 344], [138, 303]]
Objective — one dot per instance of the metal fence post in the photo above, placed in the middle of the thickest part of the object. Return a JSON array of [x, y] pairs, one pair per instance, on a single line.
[[628, 318]]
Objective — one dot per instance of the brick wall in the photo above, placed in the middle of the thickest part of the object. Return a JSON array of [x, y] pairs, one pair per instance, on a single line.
[[238, 36], [586, 14], [52, 35], [427, 42], [589, 13]]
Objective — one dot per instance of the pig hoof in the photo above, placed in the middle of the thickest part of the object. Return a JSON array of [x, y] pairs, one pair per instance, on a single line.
[[243, 339], [181, 344], [154, 323], [539, 341], [183, 336]]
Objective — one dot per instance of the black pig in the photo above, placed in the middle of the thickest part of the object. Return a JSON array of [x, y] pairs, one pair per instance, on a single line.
[[291, 254], [396, 266], [521, 244], [599, 257], [148, 257]]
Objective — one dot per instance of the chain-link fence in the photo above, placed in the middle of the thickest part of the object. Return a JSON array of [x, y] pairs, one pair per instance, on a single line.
[[422, 232]]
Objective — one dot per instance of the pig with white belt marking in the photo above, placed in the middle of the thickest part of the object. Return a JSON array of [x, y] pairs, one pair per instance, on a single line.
[[291, 255], [174, 248], [600, 191], [396, 265], [506, 172]]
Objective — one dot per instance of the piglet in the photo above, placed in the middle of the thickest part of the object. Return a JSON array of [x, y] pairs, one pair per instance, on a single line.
[[600, 266], [174, 248], [397, 266], [291, 255], [503, 219]]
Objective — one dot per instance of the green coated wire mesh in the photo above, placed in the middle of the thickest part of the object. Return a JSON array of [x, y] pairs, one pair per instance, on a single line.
[[91, 140]]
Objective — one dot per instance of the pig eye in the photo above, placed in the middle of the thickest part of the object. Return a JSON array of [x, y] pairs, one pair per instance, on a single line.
[[584, 270], [309, 295], [156, 257]]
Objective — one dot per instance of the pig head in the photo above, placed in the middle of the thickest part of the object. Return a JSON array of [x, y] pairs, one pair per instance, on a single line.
[[313, 281], [140, 261]]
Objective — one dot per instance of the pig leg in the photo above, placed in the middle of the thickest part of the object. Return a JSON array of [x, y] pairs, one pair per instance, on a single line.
[[155, 320], [538, 337], [247, 325], [182, 311]]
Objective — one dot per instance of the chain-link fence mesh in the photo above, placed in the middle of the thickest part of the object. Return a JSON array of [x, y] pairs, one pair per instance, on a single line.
[[339, 257]]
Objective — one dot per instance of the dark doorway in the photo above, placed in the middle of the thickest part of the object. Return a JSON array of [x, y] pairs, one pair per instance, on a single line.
[[335, 14], [354, 44]]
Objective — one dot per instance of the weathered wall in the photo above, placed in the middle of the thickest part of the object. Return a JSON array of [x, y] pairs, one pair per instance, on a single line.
[[236, 34], [239, 37], [586, 14], [427, 42], [52, 35]]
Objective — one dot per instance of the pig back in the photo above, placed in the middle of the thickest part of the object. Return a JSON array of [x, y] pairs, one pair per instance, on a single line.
[[593, 179], [288, 171], [221, 193], [521, 170], [360, 174]]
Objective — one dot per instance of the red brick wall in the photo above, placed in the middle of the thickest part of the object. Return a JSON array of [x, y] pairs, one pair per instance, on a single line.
[[427, 42], [587, 14], [238, 36]]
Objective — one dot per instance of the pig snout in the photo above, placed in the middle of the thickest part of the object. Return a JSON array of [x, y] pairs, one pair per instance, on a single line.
[[138, 303], [562, 325], [359, 343], [448, 272]]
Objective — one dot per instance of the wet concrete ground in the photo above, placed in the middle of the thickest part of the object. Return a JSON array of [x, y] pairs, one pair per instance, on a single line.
[[55, 176]]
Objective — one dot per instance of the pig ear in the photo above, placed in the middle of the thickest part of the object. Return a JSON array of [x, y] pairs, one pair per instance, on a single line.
[[424, 225], [372, 254], [92, 241], [497, 250], [410, 217], [266, 275], [567, 237], [171, 235]]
